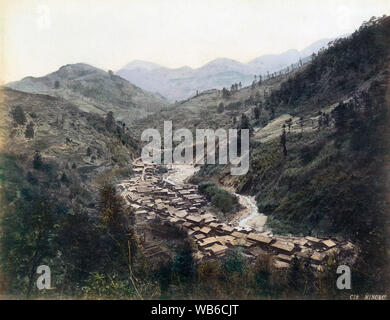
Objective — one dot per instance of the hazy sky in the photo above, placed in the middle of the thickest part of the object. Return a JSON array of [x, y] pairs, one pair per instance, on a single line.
[[39, 36]]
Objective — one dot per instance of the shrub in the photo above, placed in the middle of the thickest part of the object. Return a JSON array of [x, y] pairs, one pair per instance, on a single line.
[[37, 162], [29, 132], [221, 199], [19, 116]]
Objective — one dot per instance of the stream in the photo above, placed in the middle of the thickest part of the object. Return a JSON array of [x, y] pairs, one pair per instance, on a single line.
[[253, 218]]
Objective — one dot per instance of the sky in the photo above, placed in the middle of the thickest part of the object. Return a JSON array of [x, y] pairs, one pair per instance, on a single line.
[[39, 36]]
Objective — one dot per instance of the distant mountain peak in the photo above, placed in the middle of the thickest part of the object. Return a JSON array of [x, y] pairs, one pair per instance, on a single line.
[[181, 83], [140, 64]]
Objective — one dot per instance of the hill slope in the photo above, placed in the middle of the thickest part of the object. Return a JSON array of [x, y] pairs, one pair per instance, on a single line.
[[94, 90], [74, 146], [330, 180]]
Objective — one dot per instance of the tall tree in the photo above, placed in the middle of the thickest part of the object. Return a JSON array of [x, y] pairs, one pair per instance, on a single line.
[[283, 140], [110, 121]]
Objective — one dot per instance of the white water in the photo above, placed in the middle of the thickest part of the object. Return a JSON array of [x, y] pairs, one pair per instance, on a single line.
[[255, 211], [254, 219], [168, 181]]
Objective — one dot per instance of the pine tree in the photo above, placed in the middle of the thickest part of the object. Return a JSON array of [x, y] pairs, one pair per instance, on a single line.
[[110, 121], [283, 140], [29, 132], [221, 107], [19, 116]]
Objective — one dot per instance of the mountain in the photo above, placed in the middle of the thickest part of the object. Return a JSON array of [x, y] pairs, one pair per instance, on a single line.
[[74, 146], [94, 90], [181, 83], [332, 179]]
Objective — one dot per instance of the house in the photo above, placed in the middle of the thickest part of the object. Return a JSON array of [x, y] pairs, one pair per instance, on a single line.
[[194, 219], [181, 213], [259, 239], [284, 257], [187, 224], [285, 247], [317, 257], [240, 235], [205, 230], [213, 225], [199, 236], [313, 239], [226, 229], [217, 249], [207, 242], [329, 243], [280, 264]]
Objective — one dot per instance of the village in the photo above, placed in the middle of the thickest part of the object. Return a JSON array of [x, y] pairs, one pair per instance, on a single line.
[[152, 197]]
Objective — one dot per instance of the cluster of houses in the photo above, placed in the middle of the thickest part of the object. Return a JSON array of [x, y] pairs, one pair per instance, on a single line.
[[151, 197]]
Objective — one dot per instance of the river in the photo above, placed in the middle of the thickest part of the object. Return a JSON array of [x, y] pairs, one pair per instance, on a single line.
[[247, 217]]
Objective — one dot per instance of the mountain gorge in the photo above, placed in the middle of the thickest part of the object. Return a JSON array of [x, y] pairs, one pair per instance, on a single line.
[[76, 195]]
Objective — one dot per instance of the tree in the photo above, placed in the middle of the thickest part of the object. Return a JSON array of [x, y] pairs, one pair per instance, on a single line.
[[110, 121], [320, 120], [225, 93], [256, 112], [118, 221], [220, 107], [64, 178], [283, 140], [37, 161], [253, 84], [26, 240], [301, 124], [19, 116], [78, 241], [339, 116], [289, 124], [294, 276], [183, 265], [272, 110], [29, 132], [244, 123]]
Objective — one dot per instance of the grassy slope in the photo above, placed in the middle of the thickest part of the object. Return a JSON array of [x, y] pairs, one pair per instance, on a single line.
[[63, 134], [94, 90]]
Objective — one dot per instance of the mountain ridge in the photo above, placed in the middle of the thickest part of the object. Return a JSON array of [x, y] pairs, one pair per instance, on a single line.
[[183, 82], [93, 90]]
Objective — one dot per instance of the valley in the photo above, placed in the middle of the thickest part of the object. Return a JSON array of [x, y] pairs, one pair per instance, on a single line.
[[179, 203], [77, 196]]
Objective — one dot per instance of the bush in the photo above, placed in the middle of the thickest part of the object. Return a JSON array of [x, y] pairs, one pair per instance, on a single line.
[[29, 133], [31, 178], [19, 116], [221, 199], [37, 162]]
